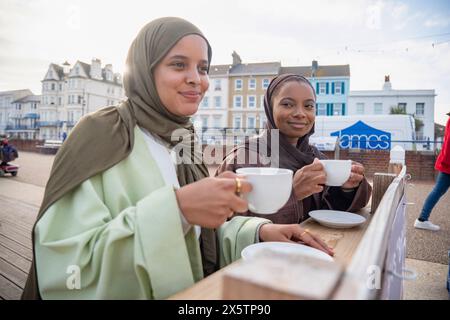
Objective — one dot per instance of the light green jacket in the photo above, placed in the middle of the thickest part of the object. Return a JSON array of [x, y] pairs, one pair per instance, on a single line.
[[119, 236]]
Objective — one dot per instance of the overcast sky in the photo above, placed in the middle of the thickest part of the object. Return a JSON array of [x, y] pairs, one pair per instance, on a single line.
[[409, 40]]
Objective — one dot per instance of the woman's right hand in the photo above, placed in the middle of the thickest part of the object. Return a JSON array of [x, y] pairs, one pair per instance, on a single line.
[[210, 201], [309, 180]]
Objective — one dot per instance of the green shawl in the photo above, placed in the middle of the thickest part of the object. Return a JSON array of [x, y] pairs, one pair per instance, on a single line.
[[102, 139]]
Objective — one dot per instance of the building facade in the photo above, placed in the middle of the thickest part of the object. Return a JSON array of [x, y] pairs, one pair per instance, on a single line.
[[331, 83], [7, 106], [70, 92], [24, 118], [247, 86], [212, 112], [419, 103]]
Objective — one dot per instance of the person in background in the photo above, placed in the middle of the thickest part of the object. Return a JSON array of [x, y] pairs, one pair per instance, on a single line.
[[441, 186]]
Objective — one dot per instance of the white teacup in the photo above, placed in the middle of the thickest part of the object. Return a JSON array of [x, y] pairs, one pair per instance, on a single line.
[[338, 171], [271, 188]]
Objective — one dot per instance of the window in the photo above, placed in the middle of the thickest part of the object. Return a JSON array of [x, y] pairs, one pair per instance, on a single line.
[[337, 87], [204, 122], [322, 87], [60, 87], [402, 106], [50, 74], [360, 108], [237, 103], [262, 120], [80, 99], [378, 108], [217, 85], [321, 109], [265, 83], [251, 101], [420, 109], [217, 121], [419, 134], [205, 102], [337, 109], [237, 122], [59, 101], [52, 100], [250, 122], [218, 102], [77, 70], [53, 87], [252, 84], [238, 84]]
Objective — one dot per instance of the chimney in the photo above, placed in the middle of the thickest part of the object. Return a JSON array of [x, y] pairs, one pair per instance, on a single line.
[[109, 72], [314, 67], [96, 69], [66, 67], [387, 83], [236, 58]]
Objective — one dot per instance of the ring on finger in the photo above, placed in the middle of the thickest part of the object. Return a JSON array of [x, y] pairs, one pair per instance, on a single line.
[[238, 185], [306, 231]]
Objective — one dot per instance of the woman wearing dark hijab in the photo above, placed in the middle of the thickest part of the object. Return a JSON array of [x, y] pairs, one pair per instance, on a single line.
[[122, 217], [289, 105]]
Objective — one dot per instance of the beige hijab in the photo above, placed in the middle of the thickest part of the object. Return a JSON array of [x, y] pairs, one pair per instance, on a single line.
[[102, 139]]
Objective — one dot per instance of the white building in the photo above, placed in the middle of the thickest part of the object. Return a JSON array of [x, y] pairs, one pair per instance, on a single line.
[[24, 118], [419, 103], [213, 109], [70, 92], [7, 106]]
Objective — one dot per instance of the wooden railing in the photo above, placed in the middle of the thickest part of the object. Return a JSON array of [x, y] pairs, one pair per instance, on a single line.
[[367, 272]]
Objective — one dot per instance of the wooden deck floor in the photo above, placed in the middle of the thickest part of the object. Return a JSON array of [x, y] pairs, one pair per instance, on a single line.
[[16, 221]]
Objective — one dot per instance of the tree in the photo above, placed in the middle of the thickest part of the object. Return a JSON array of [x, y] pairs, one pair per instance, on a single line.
[[400, 110]]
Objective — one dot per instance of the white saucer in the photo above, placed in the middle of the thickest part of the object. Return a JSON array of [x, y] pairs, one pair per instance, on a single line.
[[337, 219], [285, 248]]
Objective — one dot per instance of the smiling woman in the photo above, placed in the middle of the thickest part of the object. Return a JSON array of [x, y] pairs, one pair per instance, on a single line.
[[117, 211], [120, 219], [289, 105]]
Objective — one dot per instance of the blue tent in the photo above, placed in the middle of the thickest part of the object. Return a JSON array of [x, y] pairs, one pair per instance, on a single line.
[[362, 136]]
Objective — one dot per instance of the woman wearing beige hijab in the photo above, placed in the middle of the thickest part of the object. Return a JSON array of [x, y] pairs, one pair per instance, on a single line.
[[122, 218]]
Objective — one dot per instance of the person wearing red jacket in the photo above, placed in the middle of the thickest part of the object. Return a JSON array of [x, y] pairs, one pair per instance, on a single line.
[[441, 186]]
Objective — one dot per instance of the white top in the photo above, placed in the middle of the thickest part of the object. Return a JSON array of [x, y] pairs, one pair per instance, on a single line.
[[165, 160]]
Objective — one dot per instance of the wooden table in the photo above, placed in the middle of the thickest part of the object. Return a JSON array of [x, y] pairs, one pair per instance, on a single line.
[[343, 241]]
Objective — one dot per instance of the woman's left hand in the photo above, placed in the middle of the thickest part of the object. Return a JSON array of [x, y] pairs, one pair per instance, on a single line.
[[356, 176], [292, 233]]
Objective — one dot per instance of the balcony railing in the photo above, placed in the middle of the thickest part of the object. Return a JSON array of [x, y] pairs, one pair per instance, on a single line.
[[49, 123], [31, 116], [21, 127]]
